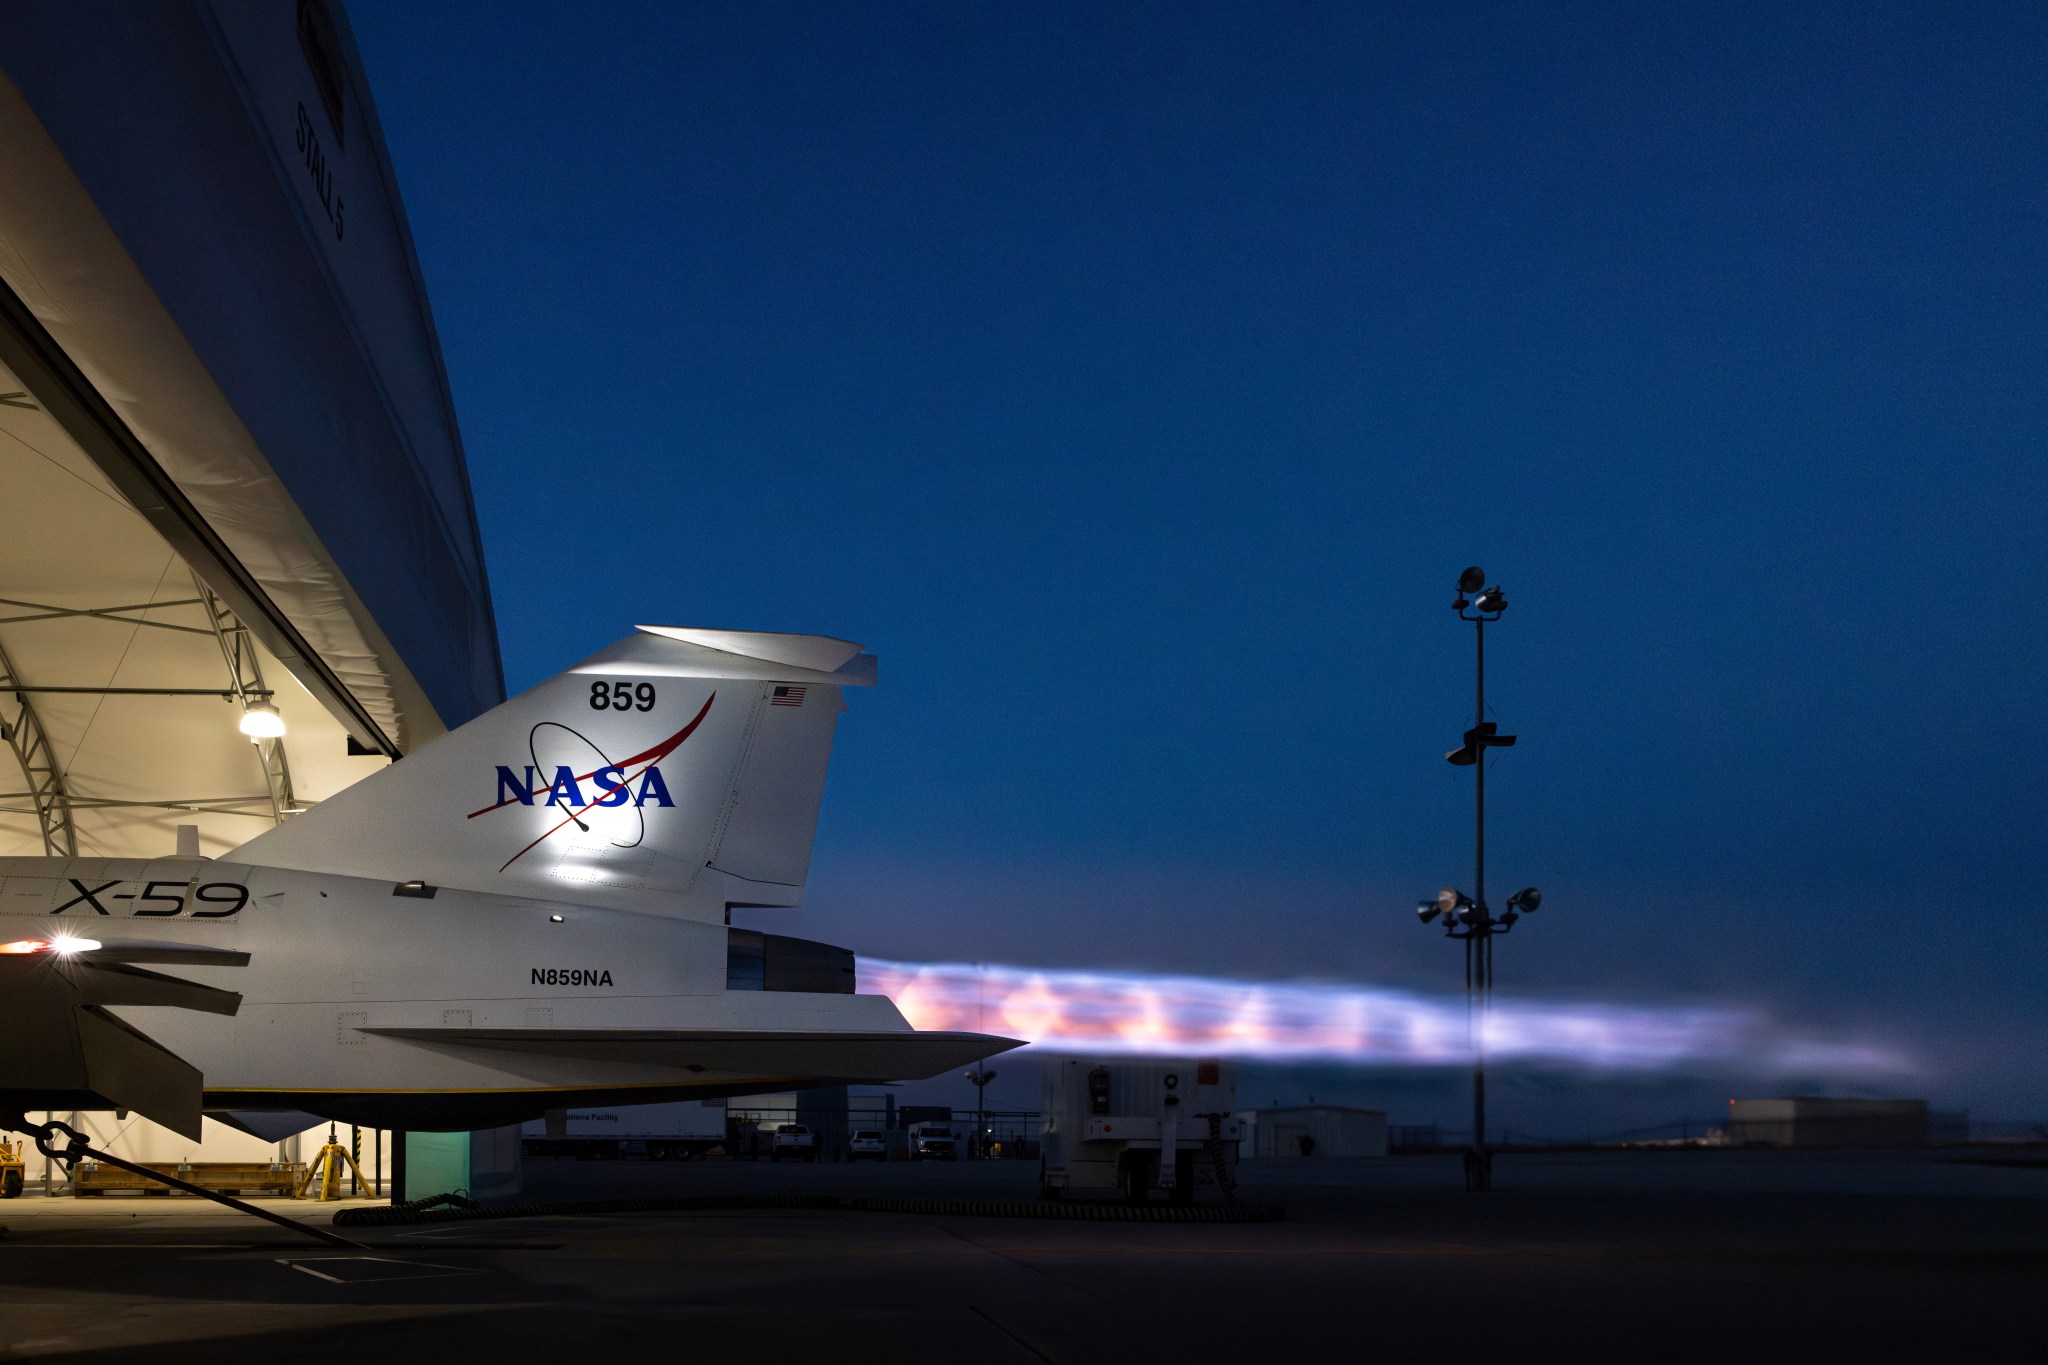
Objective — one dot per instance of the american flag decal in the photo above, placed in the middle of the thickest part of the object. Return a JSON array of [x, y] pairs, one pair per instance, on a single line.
[[786, 696]]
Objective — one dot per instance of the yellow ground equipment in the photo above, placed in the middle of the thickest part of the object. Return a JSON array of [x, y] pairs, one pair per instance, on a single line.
[[90, 1179], [327, 1166], [12, 1172]]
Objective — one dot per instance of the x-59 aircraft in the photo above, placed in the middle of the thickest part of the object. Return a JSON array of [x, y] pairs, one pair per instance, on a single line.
[[528, 913]]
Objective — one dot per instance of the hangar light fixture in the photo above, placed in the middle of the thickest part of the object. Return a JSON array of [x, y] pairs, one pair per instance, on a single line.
[[260, 720]]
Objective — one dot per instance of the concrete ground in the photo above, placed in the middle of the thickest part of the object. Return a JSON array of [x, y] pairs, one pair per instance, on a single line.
[[1689, 1255]]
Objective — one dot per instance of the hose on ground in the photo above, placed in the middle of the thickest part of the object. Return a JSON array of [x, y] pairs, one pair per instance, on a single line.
[[458, 1199]]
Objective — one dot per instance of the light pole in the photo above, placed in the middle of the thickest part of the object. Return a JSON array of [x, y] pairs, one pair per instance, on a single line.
[[979, 1079], [1469, 918]]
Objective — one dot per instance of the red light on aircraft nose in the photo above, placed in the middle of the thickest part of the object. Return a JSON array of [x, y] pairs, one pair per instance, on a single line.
[[60, 945]]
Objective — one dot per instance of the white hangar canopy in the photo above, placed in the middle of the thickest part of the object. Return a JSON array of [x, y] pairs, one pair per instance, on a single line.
[[230, 475]]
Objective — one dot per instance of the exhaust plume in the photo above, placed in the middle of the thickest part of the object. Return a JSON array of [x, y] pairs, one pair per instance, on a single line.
[[1142, 1014]]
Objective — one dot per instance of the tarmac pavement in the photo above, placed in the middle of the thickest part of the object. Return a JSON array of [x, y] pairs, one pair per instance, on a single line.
[[1685, 1255]]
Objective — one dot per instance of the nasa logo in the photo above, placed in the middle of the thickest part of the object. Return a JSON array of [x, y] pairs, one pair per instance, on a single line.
[[635, 781], [611, 784]]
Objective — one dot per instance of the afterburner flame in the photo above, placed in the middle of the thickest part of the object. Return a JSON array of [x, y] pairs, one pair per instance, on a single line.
[[1127, 1013]]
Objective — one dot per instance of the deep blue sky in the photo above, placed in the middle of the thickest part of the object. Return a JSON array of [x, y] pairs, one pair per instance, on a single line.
[[1134, 380]]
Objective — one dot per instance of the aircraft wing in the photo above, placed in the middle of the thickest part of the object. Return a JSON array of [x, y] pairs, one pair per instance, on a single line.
[[879, 1056]]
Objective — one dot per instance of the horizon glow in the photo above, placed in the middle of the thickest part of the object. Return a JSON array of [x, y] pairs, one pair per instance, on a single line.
[[1142, 1014]]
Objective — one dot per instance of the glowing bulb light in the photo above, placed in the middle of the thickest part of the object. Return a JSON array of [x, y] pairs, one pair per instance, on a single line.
[[62, 945], [260, 720]]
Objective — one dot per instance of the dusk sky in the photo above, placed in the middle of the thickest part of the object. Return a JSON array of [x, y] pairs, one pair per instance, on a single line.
[[1135, 379]]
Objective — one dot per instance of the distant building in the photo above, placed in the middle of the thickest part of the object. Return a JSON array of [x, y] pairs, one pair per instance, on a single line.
[[1809, 1121], [1313, 1130]]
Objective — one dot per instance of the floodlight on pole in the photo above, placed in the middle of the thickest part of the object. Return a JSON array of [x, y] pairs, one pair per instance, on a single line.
[[979, 1079], [1468, 918]]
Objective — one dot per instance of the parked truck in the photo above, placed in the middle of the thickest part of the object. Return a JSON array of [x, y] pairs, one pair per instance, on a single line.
[[654, 1132], [795, 1142], [933, 1141], [1139, 1126]]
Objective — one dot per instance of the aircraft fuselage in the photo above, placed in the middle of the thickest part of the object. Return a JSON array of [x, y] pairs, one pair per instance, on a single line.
[[395, 1004]]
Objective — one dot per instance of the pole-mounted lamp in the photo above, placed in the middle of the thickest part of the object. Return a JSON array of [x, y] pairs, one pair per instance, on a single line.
[[1468, 918], [979, 1079]]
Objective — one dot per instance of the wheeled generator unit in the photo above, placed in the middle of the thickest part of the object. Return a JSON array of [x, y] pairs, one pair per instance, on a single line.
[[1139, 1126]]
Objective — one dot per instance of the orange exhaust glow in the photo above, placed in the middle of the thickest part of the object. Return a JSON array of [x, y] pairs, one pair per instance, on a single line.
[[1157, 1015]]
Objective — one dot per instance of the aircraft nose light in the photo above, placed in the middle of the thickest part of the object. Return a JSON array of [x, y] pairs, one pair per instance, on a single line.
[[64, 947]]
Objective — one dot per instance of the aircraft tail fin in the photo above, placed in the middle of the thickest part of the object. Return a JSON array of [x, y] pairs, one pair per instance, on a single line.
[[677, 770]]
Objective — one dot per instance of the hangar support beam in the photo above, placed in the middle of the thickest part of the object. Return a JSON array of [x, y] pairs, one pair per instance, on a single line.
[[30, 744], [38, 611], [238, 651], [48, 794]]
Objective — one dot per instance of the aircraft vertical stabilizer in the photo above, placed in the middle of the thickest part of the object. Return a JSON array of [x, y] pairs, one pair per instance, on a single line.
[[677, 771]]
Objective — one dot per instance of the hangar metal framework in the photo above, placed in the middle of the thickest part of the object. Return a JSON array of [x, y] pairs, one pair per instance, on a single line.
[[53, 801], [239, 561], [124, 673]]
